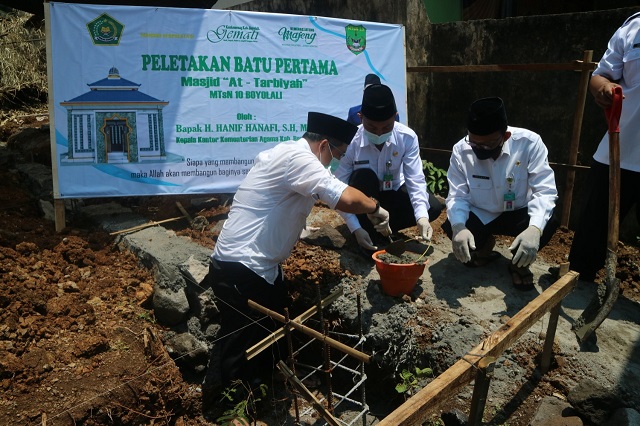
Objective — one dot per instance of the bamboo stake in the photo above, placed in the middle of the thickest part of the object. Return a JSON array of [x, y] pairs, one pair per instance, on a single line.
[[146, 225]]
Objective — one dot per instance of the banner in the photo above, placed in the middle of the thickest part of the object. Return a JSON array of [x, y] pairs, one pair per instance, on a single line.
[[151, 101]]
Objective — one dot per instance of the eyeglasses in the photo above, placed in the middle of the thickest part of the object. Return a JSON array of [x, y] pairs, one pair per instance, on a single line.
[[488, 145], [339, 157]]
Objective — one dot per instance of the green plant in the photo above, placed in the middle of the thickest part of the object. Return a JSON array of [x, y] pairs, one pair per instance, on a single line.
[[436, 178], [147, 317], [243, 400], [409, 381]]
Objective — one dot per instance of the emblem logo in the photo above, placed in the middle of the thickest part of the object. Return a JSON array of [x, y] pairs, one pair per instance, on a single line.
[[105, 31], [356, 38]]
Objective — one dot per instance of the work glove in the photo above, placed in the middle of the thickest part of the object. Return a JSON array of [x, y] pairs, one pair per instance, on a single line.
[[424, 228], [526, 244], [363, 239], [380, 221], [463, 242]]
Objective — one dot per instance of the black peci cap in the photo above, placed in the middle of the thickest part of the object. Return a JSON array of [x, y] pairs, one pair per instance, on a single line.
[[371, 79], [378, 103], [486, 116], [328, 125]]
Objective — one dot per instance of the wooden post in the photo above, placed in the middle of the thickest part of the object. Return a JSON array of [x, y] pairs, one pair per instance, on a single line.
[[481, 389], [547, 350], [583, 86]]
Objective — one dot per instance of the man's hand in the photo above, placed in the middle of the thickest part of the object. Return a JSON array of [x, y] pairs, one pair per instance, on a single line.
[[463, 242], [380, 221], [424, 228], [527, 244], [363, 239]]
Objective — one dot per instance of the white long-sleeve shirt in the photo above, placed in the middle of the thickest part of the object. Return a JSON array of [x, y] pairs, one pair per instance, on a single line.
[[403, 152], [479, 186], [621, 62], [271, 206]]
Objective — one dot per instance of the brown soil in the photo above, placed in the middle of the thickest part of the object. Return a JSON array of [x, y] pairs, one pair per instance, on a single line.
[[78, 344]]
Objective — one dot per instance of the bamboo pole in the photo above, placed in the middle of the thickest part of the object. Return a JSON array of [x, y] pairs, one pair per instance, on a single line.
[[360, 356], [583, 87], [570, 66], [145, 225]]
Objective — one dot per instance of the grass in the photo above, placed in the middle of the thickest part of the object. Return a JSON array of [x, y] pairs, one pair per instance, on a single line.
[[23, 64]]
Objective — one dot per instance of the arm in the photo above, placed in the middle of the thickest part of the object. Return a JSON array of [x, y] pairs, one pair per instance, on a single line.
[[458, 205], [542, 185], [354, 201], [601, 89], [414, 178]]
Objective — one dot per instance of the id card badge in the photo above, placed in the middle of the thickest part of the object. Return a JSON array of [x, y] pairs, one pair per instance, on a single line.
[[387, 178], [509, 200], [387, 182]]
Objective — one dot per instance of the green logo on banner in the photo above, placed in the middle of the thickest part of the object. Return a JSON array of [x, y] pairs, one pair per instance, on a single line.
[[105, 30], [356, 38]]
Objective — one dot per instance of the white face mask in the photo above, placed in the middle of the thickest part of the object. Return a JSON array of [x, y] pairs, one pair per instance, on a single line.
[[333, 165], [375, 139]]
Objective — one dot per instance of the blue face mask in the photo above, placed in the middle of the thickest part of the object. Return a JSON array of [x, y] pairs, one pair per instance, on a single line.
[[375, 139]]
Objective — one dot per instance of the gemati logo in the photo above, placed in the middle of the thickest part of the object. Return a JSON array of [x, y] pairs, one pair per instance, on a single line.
[[234, 33], [105, 31]]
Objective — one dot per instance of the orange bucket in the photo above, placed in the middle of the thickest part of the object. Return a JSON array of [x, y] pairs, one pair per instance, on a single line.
[[397, 278]]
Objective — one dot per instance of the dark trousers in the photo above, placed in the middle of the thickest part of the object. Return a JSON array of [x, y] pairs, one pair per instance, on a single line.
[[397, 203], [233, 284], [589, 248], [508, 223]]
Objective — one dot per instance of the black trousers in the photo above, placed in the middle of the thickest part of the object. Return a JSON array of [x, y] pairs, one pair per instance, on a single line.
[[397, 203], [508, 223], [233, 284], [589, 248]]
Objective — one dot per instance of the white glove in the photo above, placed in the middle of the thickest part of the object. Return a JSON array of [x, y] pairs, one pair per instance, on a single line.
[[463, 242], [380, 221], [527, 244], [424, 228], [364, 240]]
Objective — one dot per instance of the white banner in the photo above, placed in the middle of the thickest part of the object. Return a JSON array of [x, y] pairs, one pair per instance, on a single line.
[[150, 101]]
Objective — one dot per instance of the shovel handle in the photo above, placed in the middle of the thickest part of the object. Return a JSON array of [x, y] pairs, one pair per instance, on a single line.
[[613, 111]]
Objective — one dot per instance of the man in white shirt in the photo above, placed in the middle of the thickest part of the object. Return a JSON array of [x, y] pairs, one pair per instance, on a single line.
[[383, 161], [268, 212], [500, 182], [619, 66]]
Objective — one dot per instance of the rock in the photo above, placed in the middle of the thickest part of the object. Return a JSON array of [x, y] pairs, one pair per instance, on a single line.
[[187, 351], [326, 236], [624, 417], [170, 307], [594, 401], [553, 411]]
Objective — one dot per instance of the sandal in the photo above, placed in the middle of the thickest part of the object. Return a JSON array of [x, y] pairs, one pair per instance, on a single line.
[[477, 260], [522, 278]]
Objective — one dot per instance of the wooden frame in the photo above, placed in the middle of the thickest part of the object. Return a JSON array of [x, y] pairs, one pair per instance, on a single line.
[[414, 410]]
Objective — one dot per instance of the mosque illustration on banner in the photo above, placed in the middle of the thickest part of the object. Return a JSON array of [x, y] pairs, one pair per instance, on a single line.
[[114, 123]]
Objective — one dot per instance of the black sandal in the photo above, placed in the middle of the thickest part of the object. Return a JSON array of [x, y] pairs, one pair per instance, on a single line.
[[477, 261], [519, 276]]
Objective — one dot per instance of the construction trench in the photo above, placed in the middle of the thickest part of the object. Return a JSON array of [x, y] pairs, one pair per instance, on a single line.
[[476, 365], [460, 346]]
